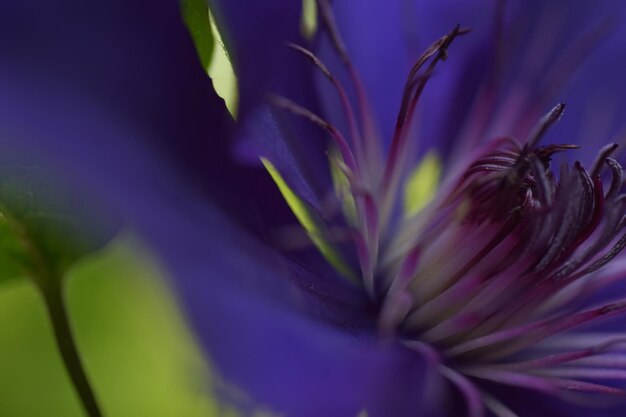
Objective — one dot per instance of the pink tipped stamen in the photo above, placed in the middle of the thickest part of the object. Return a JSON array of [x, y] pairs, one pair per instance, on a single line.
[[412, 91]]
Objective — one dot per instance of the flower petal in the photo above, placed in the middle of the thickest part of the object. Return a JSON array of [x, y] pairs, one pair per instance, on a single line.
[[125, 111], [83, 79], [256, 34], [282, 359], [555, 52]]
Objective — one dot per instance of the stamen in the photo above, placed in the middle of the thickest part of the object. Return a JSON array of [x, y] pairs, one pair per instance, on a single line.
[[558, 359], [497, 407], [604, 153], [496, 266], [298, 110], [539, 383], [368, 240], [398, 302], [521, 380], [615, 250], [412, 90], [616, 178], [372, 144], [544, 124], [372, 238], [354, 130], [473, 399]]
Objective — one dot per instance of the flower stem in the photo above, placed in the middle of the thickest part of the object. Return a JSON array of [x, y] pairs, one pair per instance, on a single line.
[[49, 281], [53, 297]]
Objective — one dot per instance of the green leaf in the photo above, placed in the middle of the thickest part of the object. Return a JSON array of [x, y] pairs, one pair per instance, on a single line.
[[222, 72], [44, 227], [196, 16]]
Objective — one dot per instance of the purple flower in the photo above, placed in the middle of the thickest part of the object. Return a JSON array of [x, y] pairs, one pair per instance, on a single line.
[[491, 299]]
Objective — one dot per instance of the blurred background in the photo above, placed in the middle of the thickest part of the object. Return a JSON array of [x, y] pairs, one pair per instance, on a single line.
[[140, 357]]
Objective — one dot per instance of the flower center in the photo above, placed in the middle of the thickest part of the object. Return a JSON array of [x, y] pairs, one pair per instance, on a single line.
[[502, 259], [501, 245]]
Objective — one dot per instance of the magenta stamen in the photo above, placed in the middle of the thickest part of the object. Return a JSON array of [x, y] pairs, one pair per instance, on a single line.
[[371, 225], [536, 331], [398, 302], [522, 380], [298, 110], [371, 142], [559, 358], [582, 386], [366, 264], [473, 398], [345, 102], [496, 407], [539, 383], [584, 373], [412, 91]]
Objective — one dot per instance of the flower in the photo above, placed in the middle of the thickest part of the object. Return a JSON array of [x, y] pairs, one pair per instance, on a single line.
[[454, 303]]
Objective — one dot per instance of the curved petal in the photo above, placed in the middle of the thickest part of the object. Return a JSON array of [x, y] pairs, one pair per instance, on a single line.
[[296, 147], [283, 360], [255, 34], [119, 118], [77, 78]]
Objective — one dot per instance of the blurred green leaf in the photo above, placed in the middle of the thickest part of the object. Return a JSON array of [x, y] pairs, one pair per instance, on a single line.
[[44, 228], [141, 357], [196, 15]]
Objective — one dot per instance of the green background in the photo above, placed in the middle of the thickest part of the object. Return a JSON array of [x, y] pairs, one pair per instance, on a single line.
[[141, 359]]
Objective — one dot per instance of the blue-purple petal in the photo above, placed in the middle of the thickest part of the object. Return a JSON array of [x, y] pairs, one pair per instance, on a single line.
[[130, 114]]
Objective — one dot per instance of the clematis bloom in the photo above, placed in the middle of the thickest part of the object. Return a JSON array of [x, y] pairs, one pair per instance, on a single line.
[[467, 306]]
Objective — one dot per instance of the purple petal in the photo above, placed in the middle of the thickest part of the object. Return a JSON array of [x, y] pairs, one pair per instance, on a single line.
[[72, 86], [555, 51], [255, 34], [125, 112], [291, 363]]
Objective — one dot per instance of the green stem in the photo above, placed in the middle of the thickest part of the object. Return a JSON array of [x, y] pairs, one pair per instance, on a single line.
[[53, 296], [50, 284]]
